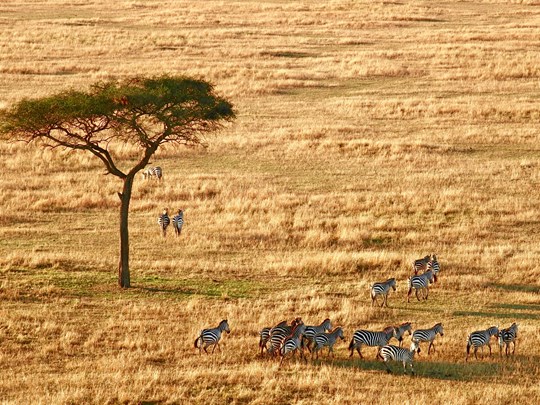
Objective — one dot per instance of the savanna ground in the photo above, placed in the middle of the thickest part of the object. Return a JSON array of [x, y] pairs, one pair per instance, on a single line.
[[369, 133]]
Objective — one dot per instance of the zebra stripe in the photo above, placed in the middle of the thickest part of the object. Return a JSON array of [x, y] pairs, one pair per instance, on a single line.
[[152, 172], [211, 337], [265, 335], [164, 221], [382, 289], [279, 332], [433, 265], [427, 335], [420, 264], [507, 336], [327, 340], [400, 331], [369, 338], [481, 338], [292, 343], [311, 331], [420, 282], [178, 222], [395, 353]]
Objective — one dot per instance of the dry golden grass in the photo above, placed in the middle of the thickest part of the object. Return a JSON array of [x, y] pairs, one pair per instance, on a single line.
[[369, 134]]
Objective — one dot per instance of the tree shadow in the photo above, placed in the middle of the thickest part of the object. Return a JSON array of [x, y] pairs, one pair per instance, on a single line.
[[515, 287], [500, 315]]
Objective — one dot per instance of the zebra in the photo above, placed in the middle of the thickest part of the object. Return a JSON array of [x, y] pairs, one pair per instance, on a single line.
[[427, 335], [421, 264], [382, 289], [507, 336], [421, 282], [480, 339], [433, 264], [311, 331], [391, 352], [279, 332], [293, 342], [369, 338], [265, 335], [209, 337], [164, 221], [327, 339], [178, 222], [153, 172], [400, 331]]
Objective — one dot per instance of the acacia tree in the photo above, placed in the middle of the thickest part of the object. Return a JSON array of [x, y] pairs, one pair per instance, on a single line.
[[146, 112]]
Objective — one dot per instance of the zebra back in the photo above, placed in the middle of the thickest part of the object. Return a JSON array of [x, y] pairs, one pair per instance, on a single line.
[[164, 221], [421, 280], [482, 337], [312, 330], [421, 264], [509, 334], [383, 287], [178, 222], [371, 338]]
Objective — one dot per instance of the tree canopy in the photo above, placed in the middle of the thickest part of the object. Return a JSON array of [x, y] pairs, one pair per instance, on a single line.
[[145, 112]]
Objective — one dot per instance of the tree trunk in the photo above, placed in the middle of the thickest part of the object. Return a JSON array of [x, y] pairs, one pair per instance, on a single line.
[[123, 267]]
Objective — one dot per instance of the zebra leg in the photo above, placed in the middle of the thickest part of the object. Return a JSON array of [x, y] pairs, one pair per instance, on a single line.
[[384, 303], [387, 367], [409, 293], [489, 349], [359, 352], [427, 293], [416, 292], [429, 348], [468, 350]]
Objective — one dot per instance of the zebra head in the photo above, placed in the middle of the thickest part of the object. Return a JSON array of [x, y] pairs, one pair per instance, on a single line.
[[326, 324], [224, 326], [439, 329], [415, 346], [493, 331], [392, 283], [339, 331]]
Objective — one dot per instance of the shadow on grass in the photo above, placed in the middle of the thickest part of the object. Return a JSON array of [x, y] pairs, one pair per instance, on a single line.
[[501, 315], [517, 307], [515, 287], [439, 370], [190, 287]]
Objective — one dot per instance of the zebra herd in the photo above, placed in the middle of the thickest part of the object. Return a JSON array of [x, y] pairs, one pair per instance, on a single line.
[[286, 339], [419, 282]]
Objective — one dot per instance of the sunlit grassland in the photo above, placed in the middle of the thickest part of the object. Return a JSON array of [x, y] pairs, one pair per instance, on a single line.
[[368, 134]]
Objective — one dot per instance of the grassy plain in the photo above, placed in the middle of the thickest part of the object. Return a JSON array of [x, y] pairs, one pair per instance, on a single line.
[[369, 133]]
